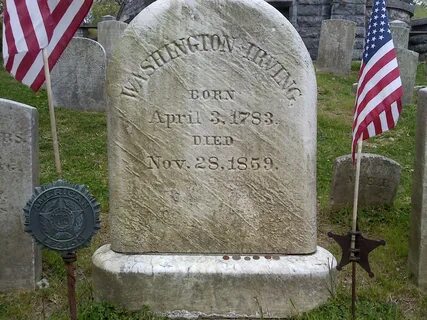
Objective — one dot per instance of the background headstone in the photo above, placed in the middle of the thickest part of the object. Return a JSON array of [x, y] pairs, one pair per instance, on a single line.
[[336, 46], [408, 64], [379, 180], [109, 33], [212, 154], [78, 78], [400, 33], [352, 10], [20, 258], [418, 231]]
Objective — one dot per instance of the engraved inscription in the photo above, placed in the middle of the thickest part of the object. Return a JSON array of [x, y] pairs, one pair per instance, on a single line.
[[212, 141], [212, 163], [276, 70], [212, 95], [212, 43], [7, 138], [9, 166], [169, 119], [3, 202], [233, 117], [243, 118], [172, 51], [371, 181]]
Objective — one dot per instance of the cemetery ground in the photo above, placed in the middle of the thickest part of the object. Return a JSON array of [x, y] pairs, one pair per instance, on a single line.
[[390, 295]]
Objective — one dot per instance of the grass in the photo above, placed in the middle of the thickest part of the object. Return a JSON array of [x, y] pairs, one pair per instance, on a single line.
[[390, 295], [420, 11]]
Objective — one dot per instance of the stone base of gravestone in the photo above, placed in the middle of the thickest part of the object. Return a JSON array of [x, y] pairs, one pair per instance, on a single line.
[[216, 286], [379, 180], [336, 46], [418, 231], [408, 63]]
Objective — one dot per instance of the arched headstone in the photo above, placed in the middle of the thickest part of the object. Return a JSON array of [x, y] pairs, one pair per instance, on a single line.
[[78, 78], [212, 154]]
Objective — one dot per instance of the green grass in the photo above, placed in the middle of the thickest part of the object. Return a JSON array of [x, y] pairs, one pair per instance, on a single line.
[[420, 12], [390, 295]]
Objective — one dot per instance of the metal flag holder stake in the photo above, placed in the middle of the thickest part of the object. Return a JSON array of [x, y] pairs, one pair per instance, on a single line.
[[63, 217], [356, 248], [69, 258]]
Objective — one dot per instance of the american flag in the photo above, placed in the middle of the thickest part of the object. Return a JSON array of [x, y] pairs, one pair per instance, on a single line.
[[30, 26], [379, 93]]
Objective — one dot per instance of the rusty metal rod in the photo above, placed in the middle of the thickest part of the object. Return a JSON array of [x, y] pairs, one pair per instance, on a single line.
[[69, 260], [353, 291]]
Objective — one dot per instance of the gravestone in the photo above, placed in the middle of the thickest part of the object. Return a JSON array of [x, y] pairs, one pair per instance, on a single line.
[[78, 78], [400, 33], [212, 161], [408, 64], [352, 10], [418, 230], [20, 258], [379, 180], [336, 46], [109, 33]]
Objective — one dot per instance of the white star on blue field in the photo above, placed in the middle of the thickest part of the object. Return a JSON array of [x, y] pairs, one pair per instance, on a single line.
[[378, 30]]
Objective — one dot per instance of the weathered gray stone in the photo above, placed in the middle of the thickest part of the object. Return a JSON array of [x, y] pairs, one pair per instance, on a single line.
[[108, 18], [352, 10], [336, 46], [78, 78], [379, 180], [217, 286], [354, 87], [212, 152], [408, 64], [20, 260], [109, 33], [418, 231], [400, 33], [229, 184]]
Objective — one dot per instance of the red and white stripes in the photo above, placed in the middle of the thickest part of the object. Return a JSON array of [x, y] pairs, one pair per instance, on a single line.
[[379, 92], [30, 26]]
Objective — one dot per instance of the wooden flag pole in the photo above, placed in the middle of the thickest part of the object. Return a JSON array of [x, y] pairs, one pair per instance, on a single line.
[[52, 113], [354, 226]]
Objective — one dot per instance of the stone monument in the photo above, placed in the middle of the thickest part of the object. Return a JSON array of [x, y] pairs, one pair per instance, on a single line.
[[109, 33], [418, 231], [408, 64], [78, 78], [336, 46], [379, 180], [212, 164], [20, 258], [400, 32]]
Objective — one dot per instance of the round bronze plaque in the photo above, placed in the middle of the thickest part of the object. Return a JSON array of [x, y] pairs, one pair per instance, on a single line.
[[62, 216]]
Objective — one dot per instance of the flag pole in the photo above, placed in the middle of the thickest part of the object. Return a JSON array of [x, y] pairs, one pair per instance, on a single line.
[[354, 227], [52, 113]]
